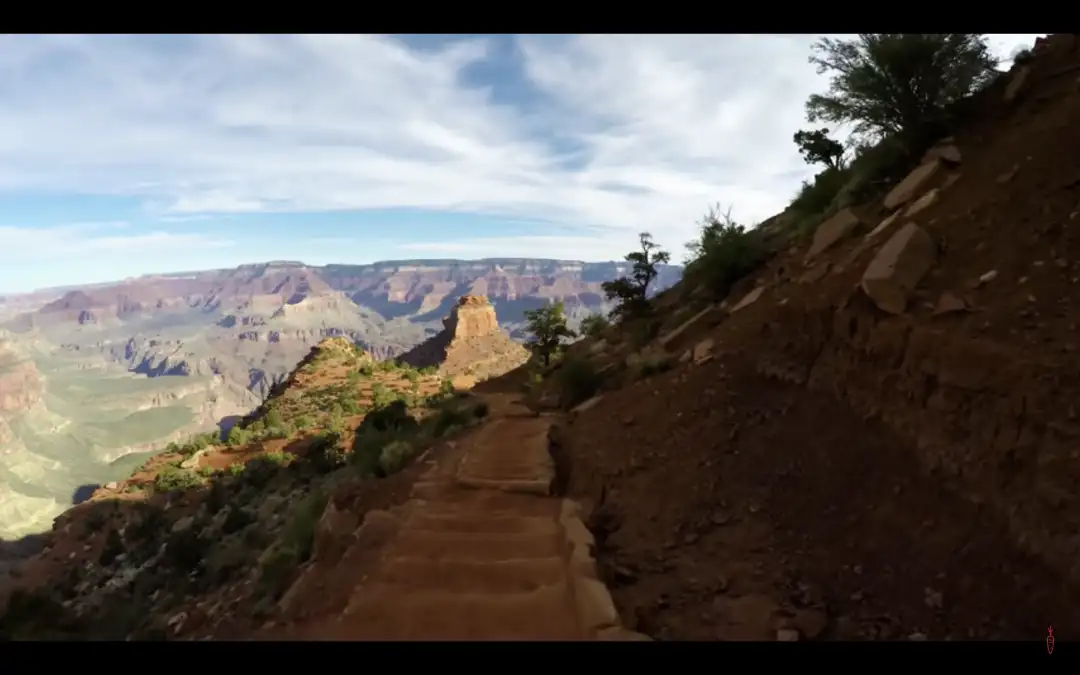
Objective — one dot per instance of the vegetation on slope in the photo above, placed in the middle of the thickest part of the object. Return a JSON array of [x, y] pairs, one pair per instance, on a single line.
[[898, 92], [237, 518]]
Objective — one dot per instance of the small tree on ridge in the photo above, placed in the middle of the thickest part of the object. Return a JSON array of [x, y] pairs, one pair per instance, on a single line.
[[632, 292], [548, 327], [817, 148]]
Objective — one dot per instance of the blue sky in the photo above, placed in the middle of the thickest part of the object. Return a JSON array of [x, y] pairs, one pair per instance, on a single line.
[[122, 156]]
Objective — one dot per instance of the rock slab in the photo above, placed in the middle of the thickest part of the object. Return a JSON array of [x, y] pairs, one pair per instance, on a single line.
[[898, 267]]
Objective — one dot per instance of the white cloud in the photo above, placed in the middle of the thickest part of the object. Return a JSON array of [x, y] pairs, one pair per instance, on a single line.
[[20, 245], [631, 132], [567, 247]]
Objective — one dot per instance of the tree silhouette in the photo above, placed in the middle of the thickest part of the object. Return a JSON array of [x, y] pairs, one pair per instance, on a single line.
[[887, 84], [632, 292], [817, 148], [548, 327]]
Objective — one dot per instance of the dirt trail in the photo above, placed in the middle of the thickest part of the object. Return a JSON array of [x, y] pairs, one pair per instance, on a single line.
[[484, 552]]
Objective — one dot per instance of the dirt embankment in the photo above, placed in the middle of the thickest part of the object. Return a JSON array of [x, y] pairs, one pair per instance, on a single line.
[[844, 471]]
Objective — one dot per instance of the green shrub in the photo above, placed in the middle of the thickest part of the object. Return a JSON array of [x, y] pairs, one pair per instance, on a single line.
[[395, 456], [299, 532], [724, 253], [816, 198], [594, 325], [367, 449], [326, 453], [274, 418], [173, 478], [578, 381], [392, 417]]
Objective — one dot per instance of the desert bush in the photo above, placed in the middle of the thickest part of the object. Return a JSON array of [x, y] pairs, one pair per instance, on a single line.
[[816, 198], [299, 532], [173, 478], [326, 453], [578, 381], [274, 418], [392, 417], [278, 564], [594, 325], [548, 329], [724, 253], [394, 456]]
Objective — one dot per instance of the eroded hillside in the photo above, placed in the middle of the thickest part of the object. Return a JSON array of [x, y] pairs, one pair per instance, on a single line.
[[858, 428], [873, 436], [215, 532], [110, 371]]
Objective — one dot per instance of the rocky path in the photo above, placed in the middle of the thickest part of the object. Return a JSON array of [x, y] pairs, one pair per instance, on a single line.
[[484, 552]]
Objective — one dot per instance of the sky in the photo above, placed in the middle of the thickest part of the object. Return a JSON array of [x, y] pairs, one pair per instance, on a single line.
[[130, 155]]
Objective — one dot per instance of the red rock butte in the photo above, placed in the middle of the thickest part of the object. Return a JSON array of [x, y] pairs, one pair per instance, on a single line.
[[471, 343], [474, 316]]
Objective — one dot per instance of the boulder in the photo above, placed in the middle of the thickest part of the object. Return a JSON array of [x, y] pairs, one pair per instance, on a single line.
[[921, 179], [946, 152], [833, 231], [898, 267], [923, 203], [883, 226], [1016, 84], [749, 299]]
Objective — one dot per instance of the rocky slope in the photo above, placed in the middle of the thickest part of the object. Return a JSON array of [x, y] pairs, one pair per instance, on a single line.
[[873, 437], [869, 438]]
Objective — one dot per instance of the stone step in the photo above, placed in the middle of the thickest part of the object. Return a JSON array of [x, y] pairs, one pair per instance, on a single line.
[[460, 501], [482, 523], [475, 546], [383, 612], [467, 576], [541, 488]]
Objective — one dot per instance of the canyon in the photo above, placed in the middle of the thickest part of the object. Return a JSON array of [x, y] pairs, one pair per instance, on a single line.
[[95, 379]]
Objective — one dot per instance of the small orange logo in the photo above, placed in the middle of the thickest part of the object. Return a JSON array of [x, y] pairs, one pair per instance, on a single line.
[[1050, 640]]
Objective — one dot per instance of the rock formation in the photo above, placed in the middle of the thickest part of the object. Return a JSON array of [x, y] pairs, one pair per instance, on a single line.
[[471, 343]]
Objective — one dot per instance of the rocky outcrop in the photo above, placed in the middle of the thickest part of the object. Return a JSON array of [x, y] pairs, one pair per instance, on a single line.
[[20, 382], [833, 231], [898, 267], [921, 179], [473, 317], [471, 343]]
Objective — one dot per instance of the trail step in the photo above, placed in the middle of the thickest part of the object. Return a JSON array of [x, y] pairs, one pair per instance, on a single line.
[[468, 576], [383, 612], [483, 523], [459, 545]]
